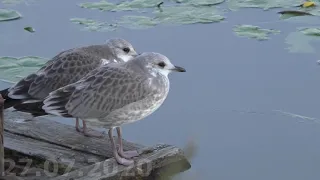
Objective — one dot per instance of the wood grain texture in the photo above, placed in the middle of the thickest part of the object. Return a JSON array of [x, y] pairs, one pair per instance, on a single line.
[[91, 158], [155, 162], [49, 153], [60, 134]]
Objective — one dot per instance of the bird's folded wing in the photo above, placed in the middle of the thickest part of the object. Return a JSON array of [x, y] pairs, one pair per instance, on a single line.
[[99, 93], [62, 70]]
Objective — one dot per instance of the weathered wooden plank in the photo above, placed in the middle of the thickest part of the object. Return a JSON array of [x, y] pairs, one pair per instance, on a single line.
[[63, 135], [44, 139], [48, 154], [11, 178], [29, 174], [161, 160]]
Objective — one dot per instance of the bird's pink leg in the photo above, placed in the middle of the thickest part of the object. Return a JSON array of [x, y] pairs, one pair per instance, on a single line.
[[86, 131], [120, 160], [77, 125], [125, 154], [89, 132]]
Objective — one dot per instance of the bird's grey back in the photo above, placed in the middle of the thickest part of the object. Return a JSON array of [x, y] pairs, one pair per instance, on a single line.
[[67, 67]]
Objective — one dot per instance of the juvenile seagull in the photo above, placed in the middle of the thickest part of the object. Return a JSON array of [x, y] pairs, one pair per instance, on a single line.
[[65, 68], [116, 94]]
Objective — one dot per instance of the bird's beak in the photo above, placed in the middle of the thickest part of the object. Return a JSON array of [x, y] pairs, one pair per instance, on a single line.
[[178, 69], [136, 54]]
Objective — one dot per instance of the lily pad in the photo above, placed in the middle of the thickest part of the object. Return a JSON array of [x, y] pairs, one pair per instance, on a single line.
[[13, 69], [312, 10], [102, 5], [301, 41], [12, 1], [137, 22], [311, 31], [8, 14], [163, 14], [136, 5], [16, 2], [30, 29], [201, 2], [187, 15], [123, 6], [307, 20], [263, 4], [93, 25], [291, 13], [254, 32]]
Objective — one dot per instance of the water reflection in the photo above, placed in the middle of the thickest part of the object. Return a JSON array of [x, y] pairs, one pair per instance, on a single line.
[[228, 79]]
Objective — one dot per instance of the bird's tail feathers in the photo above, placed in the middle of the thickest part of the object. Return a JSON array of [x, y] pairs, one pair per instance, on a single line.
[[9, 102]]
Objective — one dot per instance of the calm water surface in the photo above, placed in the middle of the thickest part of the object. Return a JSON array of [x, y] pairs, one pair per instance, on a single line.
[[226, 101]]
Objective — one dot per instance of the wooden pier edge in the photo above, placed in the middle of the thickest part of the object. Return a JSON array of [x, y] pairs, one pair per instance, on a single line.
[[157, 162], [58, 152]]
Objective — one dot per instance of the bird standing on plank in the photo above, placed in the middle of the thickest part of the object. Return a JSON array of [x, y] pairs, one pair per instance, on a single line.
[[65, 68], [113, 95]]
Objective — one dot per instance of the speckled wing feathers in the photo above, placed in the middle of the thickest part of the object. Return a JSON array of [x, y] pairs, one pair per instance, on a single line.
[[100, 93], [65, 68]]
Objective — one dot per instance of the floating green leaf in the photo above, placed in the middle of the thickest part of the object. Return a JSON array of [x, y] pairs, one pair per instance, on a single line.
[[137, 22], [102, 5], [187, 15], [313, 10], [168, 15], [142, 4], [83, 21], [310, 20], [137, 5], [311, 31], [123, 6], [15, 2], [93, 25], [8, 14], [263, 4], [300, 42], [254, 32], [201, 2], [12, 1], [29, 29], [291, 13], [13, 69]]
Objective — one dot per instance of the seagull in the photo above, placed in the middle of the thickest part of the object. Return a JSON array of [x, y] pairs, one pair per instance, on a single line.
[[65, 68], [115, 94]]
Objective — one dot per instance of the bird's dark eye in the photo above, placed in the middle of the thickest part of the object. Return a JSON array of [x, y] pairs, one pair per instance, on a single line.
[[126, 50], [162, 64]]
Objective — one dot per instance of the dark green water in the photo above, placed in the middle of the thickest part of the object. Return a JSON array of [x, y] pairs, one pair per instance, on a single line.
[[227, 101]]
